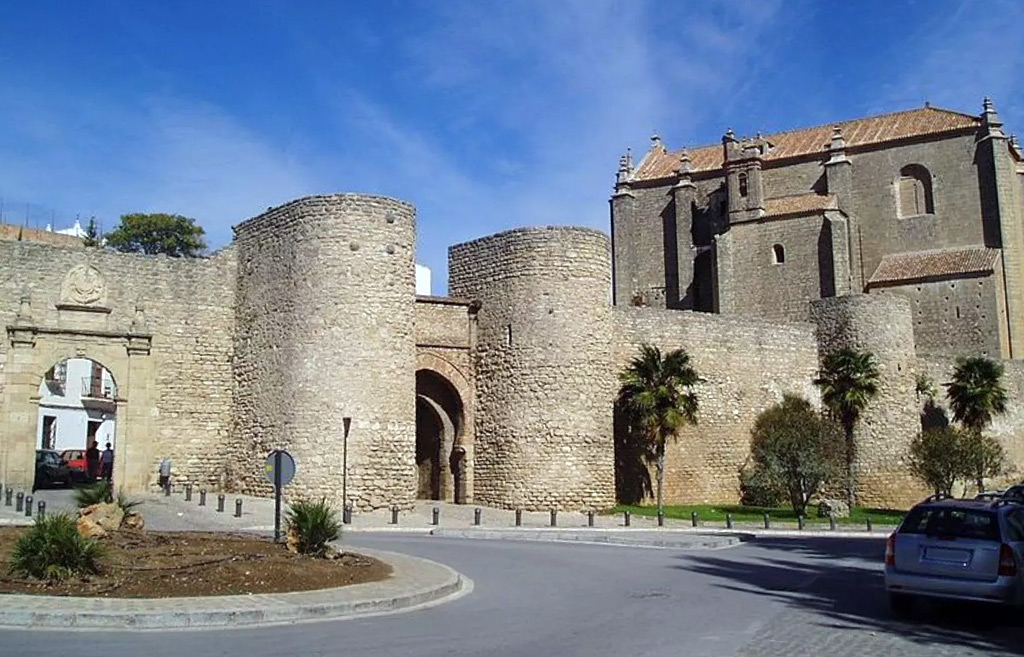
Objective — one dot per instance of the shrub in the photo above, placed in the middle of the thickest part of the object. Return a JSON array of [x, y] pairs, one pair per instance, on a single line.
[[126, 503], [757, 488], [97, 493], [315, 524], [796, 450], [53, 549], [942, 456]]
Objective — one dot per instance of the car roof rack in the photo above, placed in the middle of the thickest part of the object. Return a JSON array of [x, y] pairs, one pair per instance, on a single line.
[[937, 496], [993, 495], [1007, 500]]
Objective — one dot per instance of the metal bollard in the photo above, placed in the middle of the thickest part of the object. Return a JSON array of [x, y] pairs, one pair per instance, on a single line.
[[767, 521], [41, 512], [20, 506], [238, 508], [28, 506], [519, 517], [590, 518], [220, 503], [188, 492], [10, 491], [346, 515], [661, 518], [436, 516], [728, 521], [832, 523], [554, 518], [695, 518], [477, 512], [394, 515], [625, 517], [202, 497], [800, 522], [869, 523]]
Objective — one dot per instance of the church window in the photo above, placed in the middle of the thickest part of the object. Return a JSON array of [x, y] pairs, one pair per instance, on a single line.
[[743, 184], [778, 254], [915, 191]]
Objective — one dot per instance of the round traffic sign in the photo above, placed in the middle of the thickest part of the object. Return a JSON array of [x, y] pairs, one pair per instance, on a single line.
[[287, 465]]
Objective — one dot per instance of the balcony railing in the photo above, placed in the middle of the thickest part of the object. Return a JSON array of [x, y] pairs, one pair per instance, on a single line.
[[97, 388], [55, 387]]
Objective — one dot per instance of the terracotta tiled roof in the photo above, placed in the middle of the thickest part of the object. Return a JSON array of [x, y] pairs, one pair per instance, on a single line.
[[799, 204], [661, 163], [899, 267]]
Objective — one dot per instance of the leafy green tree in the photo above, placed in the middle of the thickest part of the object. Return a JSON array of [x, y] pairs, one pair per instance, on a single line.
[[937, 458], [92, 234], [848, 381], [170, 234], [796, 449], [658, 397], [976, 395]]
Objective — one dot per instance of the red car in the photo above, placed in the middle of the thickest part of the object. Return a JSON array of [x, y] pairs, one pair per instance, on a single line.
[[75, 458]]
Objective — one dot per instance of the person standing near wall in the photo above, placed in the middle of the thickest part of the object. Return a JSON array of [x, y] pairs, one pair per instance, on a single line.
[[107, 463], [92, 460], [165, 475]]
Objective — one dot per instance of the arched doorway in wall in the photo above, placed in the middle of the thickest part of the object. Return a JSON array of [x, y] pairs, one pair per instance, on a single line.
[[440, 454], [78, 411]]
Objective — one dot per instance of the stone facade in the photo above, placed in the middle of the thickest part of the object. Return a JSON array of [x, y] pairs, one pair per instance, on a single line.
[[894, 234]]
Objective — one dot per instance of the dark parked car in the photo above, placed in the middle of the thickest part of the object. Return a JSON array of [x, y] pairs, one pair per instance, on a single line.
[[970, 550], [51, 470]]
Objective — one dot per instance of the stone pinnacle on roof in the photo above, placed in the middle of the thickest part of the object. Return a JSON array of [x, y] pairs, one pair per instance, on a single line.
[[990, 117], [655, 139], [685, 166]]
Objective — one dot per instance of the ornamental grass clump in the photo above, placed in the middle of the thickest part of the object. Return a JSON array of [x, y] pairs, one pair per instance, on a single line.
[[99, 493], [54, 550], [314, 525]]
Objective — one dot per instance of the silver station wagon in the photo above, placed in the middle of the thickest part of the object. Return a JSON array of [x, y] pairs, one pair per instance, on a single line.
[[957, 549]]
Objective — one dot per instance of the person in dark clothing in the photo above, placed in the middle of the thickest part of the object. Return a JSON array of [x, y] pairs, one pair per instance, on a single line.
[[92, 461]]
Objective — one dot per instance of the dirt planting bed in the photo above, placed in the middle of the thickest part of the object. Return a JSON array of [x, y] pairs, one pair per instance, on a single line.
[[146, 564]]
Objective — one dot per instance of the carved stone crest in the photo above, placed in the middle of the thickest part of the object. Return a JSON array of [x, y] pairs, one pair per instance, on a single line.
[[83, 286]]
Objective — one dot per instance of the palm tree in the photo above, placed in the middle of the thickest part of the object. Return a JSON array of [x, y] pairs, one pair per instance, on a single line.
[[976, 395], [658, 397], [848, 380]]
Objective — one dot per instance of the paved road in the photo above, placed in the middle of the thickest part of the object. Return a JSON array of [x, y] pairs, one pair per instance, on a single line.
[[771, 597]]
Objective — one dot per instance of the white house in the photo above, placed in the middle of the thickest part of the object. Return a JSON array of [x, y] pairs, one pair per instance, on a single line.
[[76, 406]]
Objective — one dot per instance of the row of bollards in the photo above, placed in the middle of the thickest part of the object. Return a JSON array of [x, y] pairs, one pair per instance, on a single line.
[[220, 499]]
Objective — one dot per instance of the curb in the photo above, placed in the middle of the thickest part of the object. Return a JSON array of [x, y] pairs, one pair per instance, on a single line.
[[414, 583], [622, 538]]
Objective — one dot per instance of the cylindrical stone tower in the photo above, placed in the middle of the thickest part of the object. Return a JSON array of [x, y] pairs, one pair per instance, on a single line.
[[545, 385], [883, 326], [325, 302]]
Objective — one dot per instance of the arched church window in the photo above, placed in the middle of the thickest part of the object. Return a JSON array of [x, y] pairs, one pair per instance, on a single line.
[[778, 254], [915, 191], [743, 184]]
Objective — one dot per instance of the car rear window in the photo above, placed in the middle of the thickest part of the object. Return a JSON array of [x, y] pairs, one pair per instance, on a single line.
[[952, 522]]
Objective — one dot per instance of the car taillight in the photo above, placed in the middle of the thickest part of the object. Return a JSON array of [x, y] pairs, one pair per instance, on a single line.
[[1007, 562], [890, 550]]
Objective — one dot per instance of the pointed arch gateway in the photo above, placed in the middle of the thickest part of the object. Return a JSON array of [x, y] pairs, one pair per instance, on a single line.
[[443, 431]]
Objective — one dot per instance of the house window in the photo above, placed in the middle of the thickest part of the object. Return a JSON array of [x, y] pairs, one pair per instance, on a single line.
[[915, 191], [778, 254], [743, 184]]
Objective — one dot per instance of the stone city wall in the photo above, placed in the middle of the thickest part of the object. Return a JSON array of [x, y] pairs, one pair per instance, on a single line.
[[1007, 428], [326, 312], [544, 383], [747, 365], [181, 398]]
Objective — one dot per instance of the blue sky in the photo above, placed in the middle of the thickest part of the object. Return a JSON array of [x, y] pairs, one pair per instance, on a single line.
[[486, 115]]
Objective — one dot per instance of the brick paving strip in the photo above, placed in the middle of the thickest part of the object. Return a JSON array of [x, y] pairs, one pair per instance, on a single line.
[[414, 582]]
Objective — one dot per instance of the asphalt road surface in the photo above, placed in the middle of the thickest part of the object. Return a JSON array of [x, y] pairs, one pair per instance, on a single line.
[[791, 597]]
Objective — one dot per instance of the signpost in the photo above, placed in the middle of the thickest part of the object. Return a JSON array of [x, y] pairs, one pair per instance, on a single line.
[[280, 470]]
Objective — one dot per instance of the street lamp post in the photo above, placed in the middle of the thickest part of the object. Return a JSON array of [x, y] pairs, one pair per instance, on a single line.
[[347, 422]]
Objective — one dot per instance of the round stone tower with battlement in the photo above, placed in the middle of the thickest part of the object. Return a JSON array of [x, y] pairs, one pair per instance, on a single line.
[[545, 385], [883, 326], [325, 301]]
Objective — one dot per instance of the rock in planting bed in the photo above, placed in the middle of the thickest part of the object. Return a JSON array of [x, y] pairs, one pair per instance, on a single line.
[[145, 564]]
